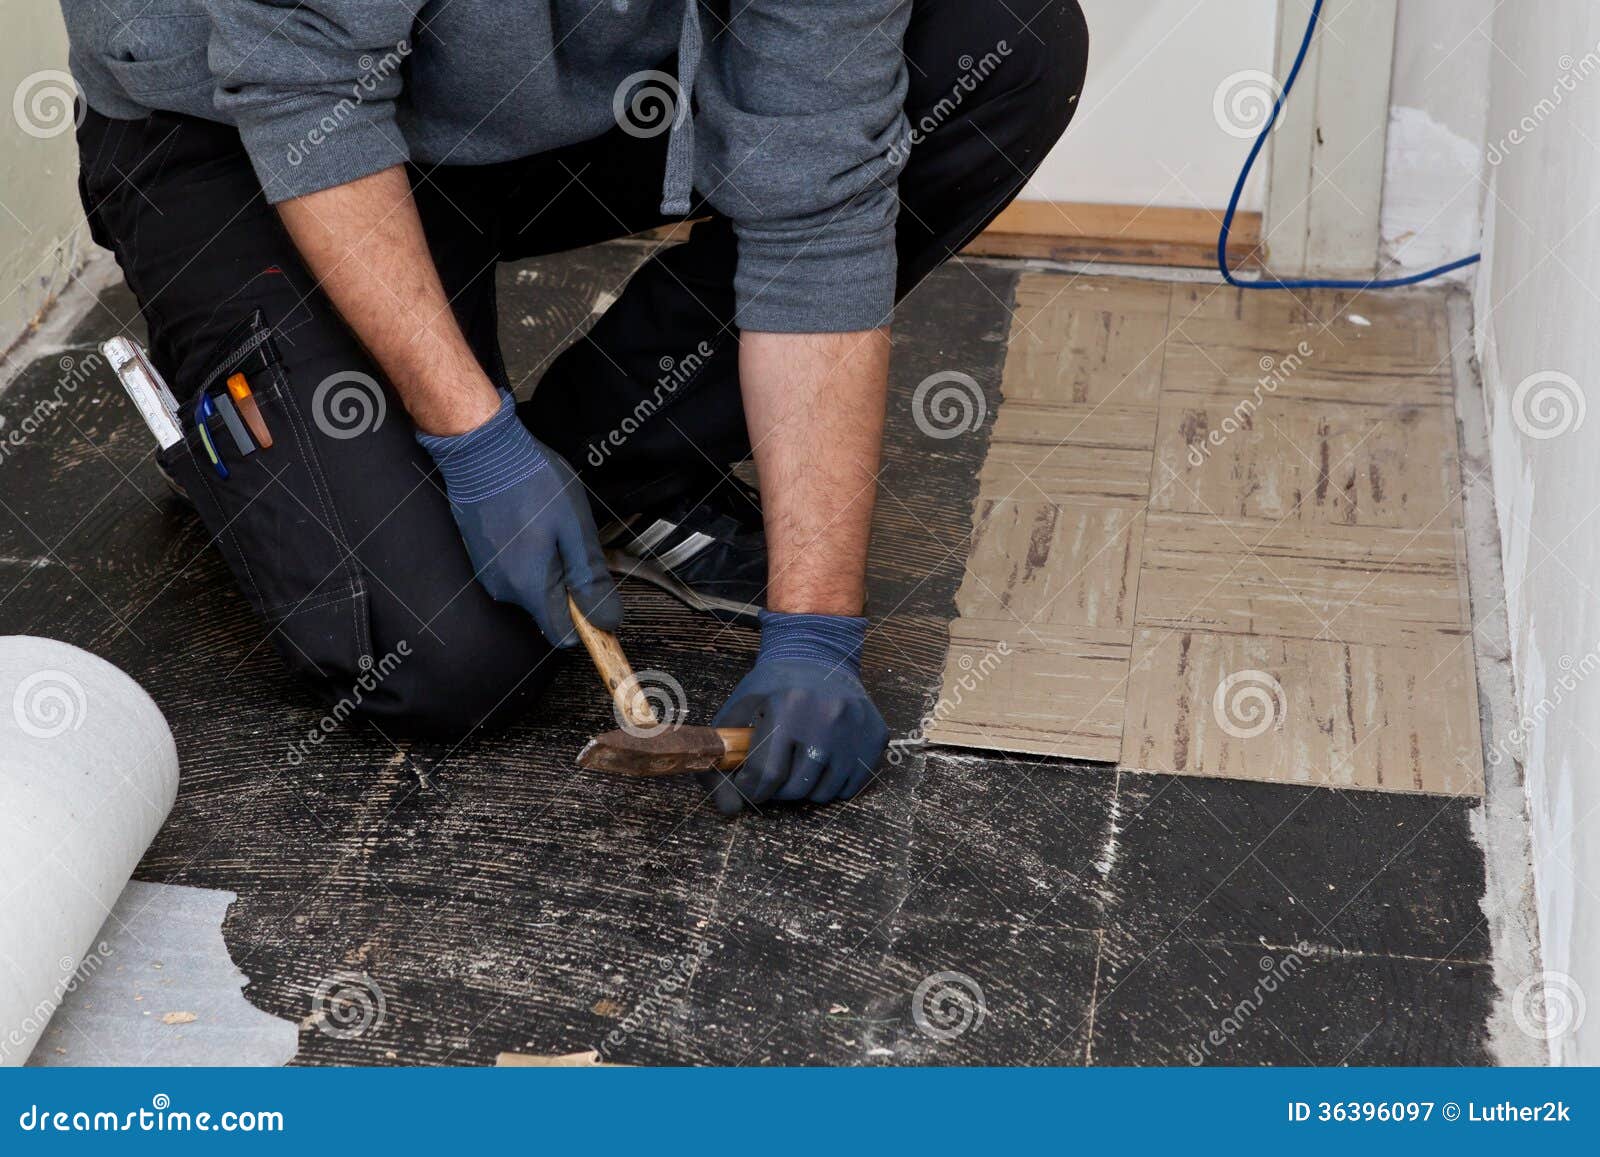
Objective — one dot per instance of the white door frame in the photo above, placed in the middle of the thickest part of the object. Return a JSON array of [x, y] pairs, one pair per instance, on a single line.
[[1325, 169]]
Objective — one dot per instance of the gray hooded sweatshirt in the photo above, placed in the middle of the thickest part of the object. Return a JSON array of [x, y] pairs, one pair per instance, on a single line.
[[797, 108]]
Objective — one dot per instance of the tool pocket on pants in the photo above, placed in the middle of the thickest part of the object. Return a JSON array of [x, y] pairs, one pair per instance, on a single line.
[[273, 516]]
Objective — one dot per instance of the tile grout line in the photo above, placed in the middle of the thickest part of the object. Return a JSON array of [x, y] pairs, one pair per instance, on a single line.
[[1123, 757]]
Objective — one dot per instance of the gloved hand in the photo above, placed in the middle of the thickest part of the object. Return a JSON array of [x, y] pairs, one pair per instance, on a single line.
[[817, 734], [526, 521]]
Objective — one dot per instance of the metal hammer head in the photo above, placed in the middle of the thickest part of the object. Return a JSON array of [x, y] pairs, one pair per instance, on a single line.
[[672, 751]]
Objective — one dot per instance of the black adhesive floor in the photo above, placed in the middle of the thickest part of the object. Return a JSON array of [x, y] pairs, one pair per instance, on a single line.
[[499, 899]]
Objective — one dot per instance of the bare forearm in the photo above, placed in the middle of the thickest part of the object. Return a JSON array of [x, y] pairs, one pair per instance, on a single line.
[[364, 243], [815, 407]]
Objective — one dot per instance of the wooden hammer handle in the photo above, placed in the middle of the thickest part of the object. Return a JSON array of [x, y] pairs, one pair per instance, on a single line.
[[633, 709], [735, 747]]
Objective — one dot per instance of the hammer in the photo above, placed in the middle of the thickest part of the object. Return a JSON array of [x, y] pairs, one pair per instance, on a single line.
[[645, 746]]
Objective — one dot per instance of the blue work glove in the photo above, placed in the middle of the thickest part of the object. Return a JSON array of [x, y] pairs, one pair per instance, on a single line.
[[817, 734], [526, 521]]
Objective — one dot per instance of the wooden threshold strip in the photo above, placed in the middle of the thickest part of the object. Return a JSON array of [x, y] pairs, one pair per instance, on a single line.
[[1121, 234]]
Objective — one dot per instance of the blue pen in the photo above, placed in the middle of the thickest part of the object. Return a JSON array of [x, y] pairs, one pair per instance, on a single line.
[[202, 414]]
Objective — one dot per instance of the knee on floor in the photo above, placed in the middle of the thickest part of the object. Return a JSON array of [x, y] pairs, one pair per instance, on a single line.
[[426, 687]]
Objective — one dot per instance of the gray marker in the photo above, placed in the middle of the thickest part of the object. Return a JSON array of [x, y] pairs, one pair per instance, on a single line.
[[235, 424]]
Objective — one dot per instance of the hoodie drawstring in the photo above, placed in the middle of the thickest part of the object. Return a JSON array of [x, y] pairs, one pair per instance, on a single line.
[[678, 185]]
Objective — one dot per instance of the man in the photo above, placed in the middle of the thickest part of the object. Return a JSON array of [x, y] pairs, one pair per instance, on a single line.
[[309, 201]]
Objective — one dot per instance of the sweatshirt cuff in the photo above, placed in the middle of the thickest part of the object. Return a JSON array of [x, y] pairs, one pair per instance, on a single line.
[[487, 460], [812, 286], [308, 144]]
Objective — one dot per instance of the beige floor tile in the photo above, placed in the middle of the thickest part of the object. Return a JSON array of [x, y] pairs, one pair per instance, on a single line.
[[1079, 344], [1348, 583], [1308, 345], [1064, 564], [1297, 711], [1061, 453], [1044, 690], [1382, 311], [1121, 295], [1256, 368], [1308, 462]]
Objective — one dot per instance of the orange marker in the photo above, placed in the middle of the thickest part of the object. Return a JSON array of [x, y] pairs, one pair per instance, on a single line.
[[239, 391]]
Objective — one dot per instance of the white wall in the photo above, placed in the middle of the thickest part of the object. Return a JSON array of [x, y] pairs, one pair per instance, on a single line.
[[41, 236], [1146, 132], [1538, 313], [1439, 110]]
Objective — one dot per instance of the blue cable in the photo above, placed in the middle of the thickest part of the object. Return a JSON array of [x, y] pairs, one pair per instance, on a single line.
[[1244, 175]]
